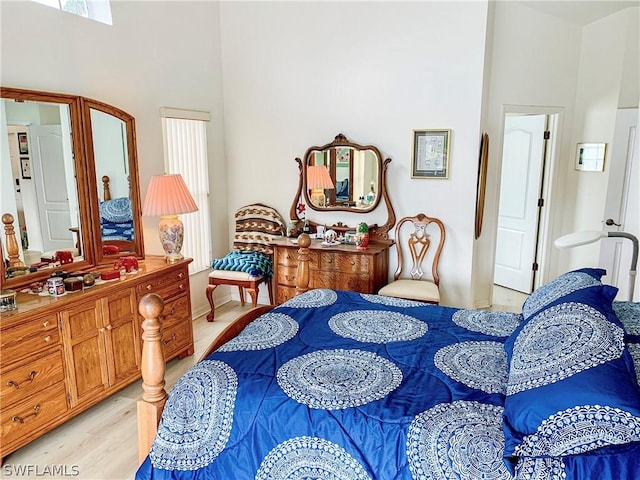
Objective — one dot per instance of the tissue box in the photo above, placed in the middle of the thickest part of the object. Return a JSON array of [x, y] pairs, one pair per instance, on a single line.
[[110, 274]]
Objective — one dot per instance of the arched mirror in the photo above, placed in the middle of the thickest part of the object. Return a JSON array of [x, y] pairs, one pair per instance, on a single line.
[[344, 176], [49, 197], [114, 179]]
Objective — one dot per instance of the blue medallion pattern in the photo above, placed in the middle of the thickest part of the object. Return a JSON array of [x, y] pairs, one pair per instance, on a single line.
[[459, 440], [543, 468], [377, 326], [197, 418], [338, 379], [559, 342], [306, 458], [629, 315], [499, 324], [267, 331], [580, 429], [391, 301], [320, 297], [561, 286], [481, 365], [634, 350]]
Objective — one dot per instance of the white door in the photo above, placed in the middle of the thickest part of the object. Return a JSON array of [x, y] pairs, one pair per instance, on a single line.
[[47, 163], [621, 206], [522, 167]]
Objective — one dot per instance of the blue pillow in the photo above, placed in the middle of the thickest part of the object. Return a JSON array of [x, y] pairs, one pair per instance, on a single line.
[[629, 315], [557, 288], [571, 385]]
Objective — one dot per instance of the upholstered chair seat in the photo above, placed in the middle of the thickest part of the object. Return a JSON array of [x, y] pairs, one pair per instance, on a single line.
[[420, 290]]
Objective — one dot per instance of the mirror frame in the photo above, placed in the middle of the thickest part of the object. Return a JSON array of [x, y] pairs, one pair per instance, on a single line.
[[86, 182], [379, 232], [136, 245]]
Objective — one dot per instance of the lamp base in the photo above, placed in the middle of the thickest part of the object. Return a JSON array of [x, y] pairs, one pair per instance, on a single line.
[[171, 233]]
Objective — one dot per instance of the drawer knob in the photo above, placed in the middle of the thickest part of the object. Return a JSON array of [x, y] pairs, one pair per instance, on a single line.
[[182, 286], [148, 287], [181, 275], [167, 342], [45, 324], [101, 330], [47, 338], [32, 375], [19, 419], [353, 262], [109, 327], [330, 260]]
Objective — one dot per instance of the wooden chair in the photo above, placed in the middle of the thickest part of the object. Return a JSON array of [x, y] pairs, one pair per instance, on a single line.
[[250, 263], [416, 237]]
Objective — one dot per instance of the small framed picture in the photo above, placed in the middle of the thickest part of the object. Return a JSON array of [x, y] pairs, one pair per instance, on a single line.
[[430, 154], [25, 166], [590, 157], [23, 145]]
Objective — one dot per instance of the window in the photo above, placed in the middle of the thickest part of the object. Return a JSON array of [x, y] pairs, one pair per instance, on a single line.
[[185, 152], [99, 10]]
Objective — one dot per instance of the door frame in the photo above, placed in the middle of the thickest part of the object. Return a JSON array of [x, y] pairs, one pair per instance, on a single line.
[[547, 216]]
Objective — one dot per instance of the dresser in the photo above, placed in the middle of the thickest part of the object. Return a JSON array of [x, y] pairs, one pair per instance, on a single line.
[[340, 267], [61, 355]]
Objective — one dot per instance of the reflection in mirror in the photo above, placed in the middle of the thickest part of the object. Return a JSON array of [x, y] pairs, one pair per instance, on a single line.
[[40, 194], [111, 159], [348, 180]]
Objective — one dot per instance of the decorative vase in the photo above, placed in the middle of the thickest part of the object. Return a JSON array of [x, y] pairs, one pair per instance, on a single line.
[[362, 236]]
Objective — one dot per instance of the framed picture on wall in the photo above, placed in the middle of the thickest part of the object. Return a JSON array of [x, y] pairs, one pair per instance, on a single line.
[[590, 157], [430, 154], [23, 145], [25, 166]]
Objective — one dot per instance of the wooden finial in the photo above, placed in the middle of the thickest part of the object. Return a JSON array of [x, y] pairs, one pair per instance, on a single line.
[[11, 242]]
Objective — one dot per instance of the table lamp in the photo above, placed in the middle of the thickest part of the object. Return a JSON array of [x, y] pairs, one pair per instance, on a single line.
[[168, 197], [318, 180], [577, 239]]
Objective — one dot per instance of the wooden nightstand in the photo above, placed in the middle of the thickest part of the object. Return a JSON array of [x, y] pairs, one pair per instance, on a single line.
[[340, 267]]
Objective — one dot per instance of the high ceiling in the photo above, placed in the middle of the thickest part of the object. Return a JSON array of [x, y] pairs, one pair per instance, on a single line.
[[578, 11]]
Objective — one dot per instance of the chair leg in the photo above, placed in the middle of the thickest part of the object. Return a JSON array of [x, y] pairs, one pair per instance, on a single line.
[[270, 288], [209, 295], [241, 290], [253, 292]]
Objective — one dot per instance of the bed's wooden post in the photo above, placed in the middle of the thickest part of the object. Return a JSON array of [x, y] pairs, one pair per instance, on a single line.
[[153, 368], [303, 264]]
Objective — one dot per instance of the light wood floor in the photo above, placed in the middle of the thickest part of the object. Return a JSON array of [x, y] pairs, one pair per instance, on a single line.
[[100, 444]]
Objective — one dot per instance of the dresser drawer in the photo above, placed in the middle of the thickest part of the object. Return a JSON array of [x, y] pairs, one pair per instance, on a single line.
[[27, 417], [288, 257], [22, 381], [286, 276], [348, 263], [176, 311], [167, 285], [284, 293], [342, 281], [176, 338], [32, 336]]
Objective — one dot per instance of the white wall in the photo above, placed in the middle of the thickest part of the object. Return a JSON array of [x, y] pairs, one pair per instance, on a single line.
[[155, 54], [534, 63], [608, 78], [297, 73]]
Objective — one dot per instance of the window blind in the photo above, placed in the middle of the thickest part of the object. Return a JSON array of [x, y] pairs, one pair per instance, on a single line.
[[185, 153]]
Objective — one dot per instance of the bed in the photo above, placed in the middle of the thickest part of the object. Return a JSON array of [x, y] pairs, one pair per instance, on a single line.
[[116, 215], [342, 385]]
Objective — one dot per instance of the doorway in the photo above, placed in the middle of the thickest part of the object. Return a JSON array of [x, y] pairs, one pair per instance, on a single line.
[[529, 136]]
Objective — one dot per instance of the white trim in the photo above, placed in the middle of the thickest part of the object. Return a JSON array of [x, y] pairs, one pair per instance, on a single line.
[[167, 112]]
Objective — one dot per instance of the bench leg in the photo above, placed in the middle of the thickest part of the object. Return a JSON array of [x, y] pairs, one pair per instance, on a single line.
[[241, 290], [270, 288], [209, 295], [253, 292]]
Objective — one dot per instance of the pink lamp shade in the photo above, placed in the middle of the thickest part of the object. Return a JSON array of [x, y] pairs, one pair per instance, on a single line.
[[318, 178], [168, 196]]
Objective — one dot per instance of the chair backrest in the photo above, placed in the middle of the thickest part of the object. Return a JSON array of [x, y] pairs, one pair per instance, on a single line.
[[417, 239], [256, 226]]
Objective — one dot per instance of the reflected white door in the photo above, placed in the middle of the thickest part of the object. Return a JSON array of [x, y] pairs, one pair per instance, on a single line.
[[622, 204], [47, 162], [522, 167]]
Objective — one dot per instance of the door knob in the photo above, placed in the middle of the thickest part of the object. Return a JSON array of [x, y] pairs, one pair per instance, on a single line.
[[610, 221]]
